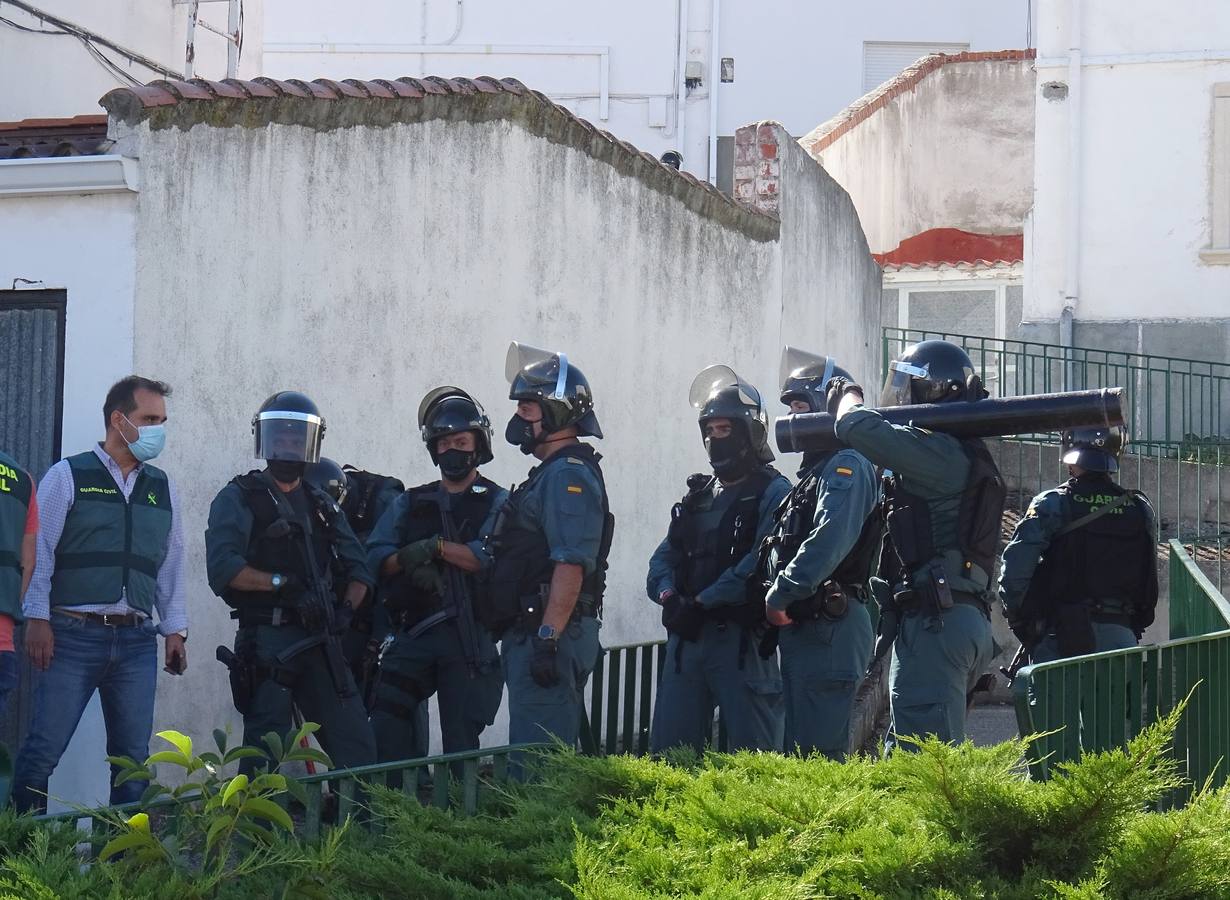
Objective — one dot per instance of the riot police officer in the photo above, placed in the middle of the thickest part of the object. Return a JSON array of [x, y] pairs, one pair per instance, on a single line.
[[703, 574], [944, 503], [423, 550], [272, 545], [1080, 573], [818, 560], [549, 549]]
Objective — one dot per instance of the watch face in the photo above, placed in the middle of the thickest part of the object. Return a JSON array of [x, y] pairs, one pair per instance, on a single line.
[[546, 632]]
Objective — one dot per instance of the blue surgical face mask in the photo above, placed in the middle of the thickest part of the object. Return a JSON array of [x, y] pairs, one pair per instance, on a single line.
[[149, 443]]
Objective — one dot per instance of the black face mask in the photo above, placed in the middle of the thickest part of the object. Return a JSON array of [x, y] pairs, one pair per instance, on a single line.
[[520, 433], [730, 457], [456, 464], [287, 471]]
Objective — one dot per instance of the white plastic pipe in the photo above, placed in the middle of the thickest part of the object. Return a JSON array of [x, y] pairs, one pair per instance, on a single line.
[[715, 64], [1071, 289], [681, 86]]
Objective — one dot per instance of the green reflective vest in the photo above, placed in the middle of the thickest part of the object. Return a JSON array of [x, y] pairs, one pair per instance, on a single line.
[[110, 545], [15, 490]]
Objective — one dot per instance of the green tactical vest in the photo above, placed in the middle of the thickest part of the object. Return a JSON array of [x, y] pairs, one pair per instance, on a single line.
[[109, 545], [15, 490]]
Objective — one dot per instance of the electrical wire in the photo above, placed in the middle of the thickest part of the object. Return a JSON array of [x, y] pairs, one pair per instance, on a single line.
[[87, 37]]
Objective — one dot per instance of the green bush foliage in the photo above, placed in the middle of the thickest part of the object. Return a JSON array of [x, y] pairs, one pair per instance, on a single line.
[[944, 822]]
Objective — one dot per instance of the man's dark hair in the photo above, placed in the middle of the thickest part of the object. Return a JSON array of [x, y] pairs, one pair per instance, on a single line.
[[121, 396]]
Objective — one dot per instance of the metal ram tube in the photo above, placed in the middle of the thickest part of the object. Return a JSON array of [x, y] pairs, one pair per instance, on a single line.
[[984, 418]]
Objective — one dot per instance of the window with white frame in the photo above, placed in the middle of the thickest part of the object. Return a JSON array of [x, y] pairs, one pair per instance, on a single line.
[[1219, 245]]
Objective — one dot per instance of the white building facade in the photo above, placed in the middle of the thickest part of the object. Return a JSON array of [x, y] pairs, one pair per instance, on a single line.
[[1129, 245], [661, 74]]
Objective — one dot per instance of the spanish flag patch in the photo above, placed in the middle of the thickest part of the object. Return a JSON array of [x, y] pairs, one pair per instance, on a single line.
[[842, 470], [574, 489]]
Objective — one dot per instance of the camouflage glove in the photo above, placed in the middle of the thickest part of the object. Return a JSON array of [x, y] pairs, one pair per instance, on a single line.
[[428, 578], [413, 555]]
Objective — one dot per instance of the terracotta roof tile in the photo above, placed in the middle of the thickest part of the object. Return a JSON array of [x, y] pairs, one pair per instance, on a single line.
[[861, 109], [943, 247], [42, 138], [166, 104]]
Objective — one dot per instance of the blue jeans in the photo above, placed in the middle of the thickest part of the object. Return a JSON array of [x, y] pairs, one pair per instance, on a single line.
[[121, 664], [8, 680]]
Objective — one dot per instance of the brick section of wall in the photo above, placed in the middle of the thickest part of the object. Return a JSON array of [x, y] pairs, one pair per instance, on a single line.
[[757, 179]]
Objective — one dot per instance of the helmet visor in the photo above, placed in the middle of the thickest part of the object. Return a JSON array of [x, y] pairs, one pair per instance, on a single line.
[[800, 365], [544, 370], [295, 436], [897, 385], [716, 379], [435, 395]]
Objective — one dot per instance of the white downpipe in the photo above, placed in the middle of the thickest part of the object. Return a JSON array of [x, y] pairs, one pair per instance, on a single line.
[[681, 86], [1071, 289], [715, 65]]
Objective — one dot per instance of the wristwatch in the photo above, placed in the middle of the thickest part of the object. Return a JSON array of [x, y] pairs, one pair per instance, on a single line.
[[547, 632], [278, 581]]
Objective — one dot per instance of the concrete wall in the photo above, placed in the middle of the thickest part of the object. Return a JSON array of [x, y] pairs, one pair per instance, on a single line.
[[794, 63], [368, 264], [1145, 194], [44, 76], [956, 151], [84, 245]]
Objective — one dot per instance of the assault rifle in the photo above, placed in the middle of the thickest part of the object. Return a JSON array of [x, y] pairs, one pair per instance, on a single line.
[[317, 605], [458, 601]]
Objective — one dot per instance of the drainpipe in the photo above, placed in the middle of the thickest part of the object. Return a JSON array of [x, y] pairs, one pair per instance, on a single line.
[[715, 66], [681, 86], [1071, 289]]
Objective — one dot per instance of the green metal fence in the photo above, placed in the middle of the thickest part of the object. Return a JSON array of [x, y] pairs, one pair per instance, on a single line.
[[1182, 404], [1096, 702], [457, 782]]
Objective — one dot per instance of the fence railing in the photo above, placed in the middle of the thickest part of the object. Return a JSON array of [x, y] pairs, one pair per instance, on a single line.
[[457, 782], [1100, 701], [1183, 404]]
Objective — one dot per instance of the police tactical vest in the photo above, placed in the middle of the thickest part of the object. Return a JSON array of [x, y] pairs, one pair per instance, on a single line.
[[469, 509], [796, 519], [362, 501], [111, 546], [1108, 563], [960, 535], [523, 567], [275, 545], [707, 538], [15, 491]]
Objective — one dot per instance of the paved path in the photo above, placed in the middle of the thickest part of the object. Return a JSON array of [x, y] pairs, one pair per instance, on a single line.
[[991, 724]]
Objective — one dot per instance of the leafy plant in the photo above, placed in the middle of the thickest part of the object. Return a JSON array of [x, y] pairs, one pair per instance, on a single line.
[[219, 828]]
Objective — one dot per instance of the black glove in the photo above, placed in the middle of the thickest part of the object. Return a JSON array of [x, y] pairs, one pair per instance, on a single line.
[[313, 611], [290, 591], [837, 388], [544, 668], [683, 616]]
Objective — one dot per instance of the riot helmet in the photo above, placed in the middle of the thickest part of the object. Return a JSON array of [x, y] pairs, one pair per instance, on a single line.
[[719, 393], [931, 372], [450, 410], [1095, 448], [560, 389], [328, 476], [805, 376], [288, 426]]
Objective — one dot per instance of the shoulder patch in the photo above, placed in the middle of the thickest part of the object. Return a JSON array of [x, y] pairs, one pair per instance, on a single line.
[[575, 461], [575, 489], [844, 470]]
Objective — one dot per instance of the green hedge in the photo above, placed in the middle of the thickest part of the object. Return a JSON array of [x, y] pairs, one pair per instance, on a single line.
[[946, 822]]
